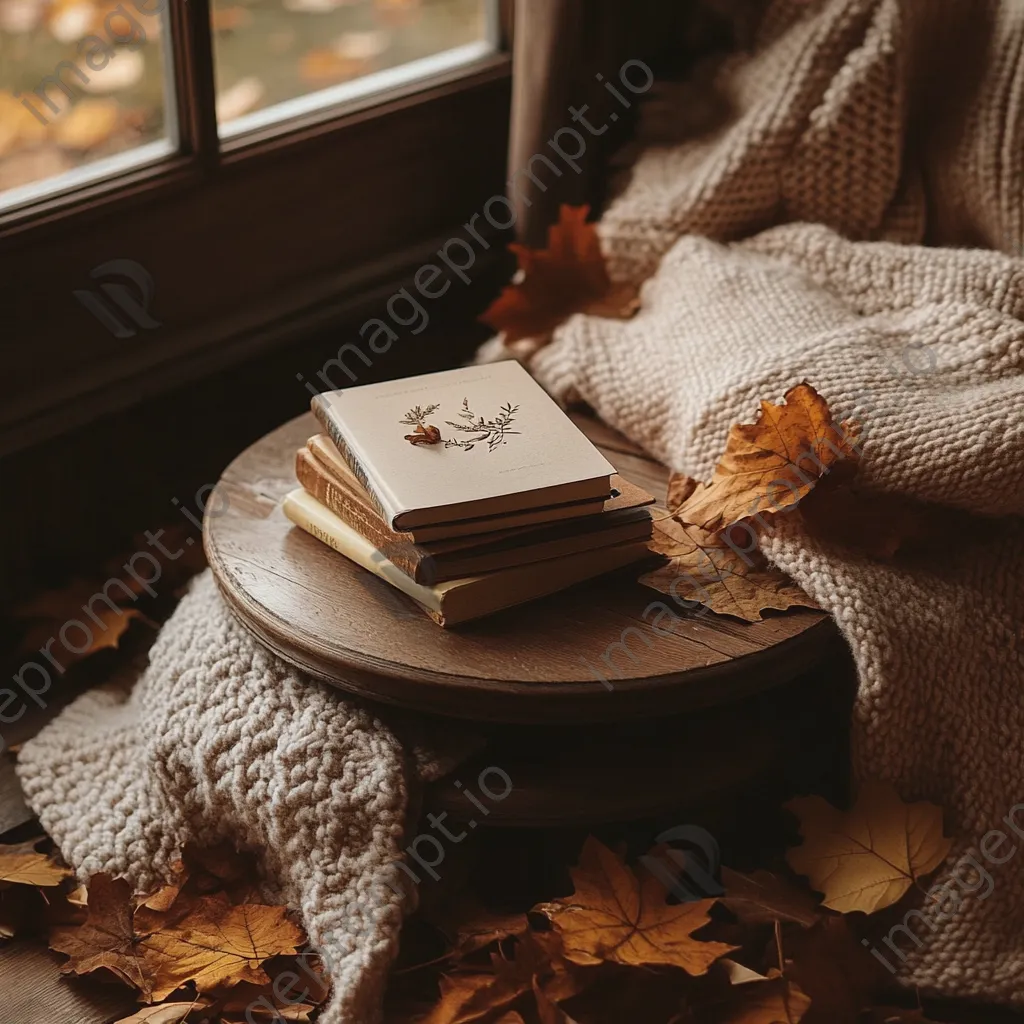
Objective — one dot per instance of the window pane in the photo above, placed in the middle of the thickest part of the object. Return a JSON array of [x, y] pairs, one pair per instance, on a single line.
[[279, 58], [82, 91]]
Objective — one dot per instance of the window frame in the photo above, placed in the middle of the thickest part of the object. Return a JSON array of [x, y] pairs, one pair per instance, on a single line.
[[447, 138]]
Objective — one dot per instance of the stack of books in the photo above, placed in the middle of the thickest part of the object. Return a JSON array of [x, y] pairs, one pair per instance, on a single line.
[[470, 490]]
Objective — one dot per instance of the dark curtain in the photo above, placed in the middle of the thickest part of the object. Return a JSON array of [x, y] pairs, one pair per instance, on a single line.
[[560, 47]]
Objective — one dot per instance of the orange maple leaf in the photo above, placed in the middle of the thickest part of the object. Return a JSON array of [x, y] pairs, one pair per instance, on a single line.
[[569, 276], [614, 916]]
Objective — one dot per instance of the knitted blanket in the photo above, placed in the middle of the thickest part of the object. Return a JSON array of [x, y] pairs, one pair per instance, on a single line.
[[884, 122], [221, 740]]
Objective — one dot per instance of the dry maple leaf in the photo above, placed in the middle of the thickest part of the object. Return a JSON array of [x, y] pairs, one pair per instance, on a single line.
[[703, 568], [20, 866], [866, 858], [771, 464], [614, 916], [219, 944], [108, 938], [762, 897], [567, 277], [471, 997]]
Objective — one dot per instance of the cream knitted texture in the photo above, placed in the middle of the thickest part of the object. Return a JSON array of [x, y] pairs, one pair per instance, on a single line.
[[923, 345], [220, 739]]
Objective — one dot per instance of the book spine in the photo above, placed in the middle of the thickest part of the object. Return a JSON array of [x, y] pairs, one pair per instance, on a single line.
[[397, 550], [327, 422]]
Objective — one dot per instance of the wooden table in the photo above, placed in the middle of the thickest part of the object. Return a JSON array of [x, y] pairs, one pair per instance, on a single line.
[[584, 655], [669, 720]]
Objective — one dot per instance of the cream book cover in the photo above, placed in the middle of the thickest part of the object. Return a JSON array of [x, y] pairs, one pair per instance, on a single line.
[[479, 440]]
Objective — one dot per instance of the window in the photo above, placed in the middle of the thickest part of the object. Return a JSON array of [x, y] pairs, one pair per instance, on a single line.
[[182, 181]]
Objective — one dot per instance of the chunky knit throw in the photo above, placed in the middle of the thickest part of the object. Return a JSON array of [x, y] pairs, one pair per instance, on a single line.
[[221, 740], [776, 247]]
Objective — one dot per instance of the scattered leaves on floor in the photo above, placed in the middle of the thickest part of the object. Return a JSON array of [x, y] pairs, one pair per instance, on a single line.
[[866, 858], [569, 276], [618, 917]]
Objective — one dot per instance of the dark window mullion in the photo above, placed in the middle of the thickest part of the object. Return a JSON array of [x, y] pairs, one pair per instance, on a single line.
[[194, 83]]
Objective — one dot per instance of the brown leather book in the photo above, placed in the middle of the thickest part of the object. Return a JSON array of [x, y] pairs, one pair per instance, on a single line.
[[625, 519]]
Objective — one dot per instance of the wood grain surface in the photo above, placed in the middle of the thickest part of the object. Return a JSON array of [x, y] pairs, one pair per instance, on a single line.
[[586, 654], [35, 992]]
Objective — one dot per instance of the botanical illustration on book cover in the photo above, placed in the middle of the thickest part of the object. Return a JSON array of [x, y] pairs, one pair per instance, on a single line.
[[492, 432]]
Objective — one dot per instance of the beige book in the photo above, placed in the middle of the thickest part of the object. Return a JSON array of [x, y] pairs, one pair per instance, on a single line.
[[461, 444], [471, 597]]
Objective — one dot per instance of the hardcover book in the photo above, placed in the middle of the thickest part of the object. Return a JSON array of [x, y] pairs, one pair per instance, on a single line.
[[462, 444], [470, 597], [624, 518], [345, 483]]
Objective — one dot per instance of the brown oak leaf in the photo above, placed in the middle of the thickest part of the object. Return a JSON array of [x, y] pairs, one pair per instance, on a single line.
[[866, 858], [569, 276], [771, 464], [614, 916], [704, 569]]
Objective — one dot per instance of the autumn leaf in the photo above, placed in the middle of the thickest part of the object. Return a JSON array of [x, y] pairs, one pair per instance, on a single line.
[[104, 621], [218, 943], [471, 926], [835, 970], [703, 568], [471, 997], [213, 943], [548, 1009], [165, 1013], [763, 897], [776, 1001], [567, 277], [108, 938], [19, 866], [771, 464], [868, 857], [428, 434], [614, 916]]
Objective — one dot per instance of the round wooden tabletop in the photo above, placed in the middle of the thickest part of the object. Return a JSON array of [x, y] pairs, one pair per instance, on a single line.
[[587, 654]]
